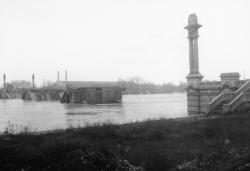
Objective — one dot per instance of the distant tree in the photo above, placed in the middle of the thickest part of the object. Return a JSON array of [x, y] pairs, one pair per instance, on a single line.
[[18, 84], [48, 83], [137, 80], [182, 86], [9, 87], [137, 85], [169, 87]]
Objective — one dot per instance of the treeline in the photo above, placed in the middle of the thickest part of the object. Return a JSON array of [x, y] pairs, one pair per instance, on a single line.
[[17, 85], [143, 87], [133, 85]]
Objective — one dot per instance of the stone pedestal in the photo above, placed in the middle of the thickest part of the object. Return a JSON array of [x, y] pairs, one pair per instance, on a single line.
[[194, 80]]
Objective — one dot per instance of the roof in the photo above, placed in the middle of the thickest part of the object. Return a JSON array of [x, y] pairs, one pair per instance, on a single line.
[[87, 84], [83, 84], [59, 85]]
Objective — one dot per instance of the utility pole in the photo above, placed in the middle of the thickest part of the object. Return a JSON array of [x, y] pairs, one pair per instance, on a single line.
[[4, 81], [33, 80]]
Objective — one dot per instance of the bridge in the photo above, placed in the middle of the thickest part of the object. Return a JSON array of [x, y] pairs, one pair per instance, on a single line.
[[227, 95]]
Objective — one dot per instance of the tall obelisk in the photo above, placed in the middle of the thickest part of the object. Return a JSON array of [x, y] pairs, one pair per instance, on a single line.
[[194, 77]]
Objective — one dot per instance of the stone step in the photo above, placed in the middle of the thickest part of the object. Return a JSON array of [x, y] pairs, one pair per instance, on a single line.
[[219, 108]]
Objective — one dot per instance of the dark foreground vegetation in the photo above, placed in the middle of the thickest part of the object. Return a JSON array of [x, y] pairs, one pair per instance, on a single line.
[[204, 143]]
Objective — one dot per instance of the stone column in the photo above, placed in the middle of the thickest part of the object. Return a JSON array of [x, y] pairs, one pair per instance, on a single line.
[[4, 81], [196, 56], [194, 77], [58, 76], [33, 81], [190, 55]]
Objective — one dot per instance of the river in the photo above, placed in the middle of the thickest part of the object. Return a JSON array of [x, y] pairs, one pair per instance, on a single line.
[[50, 115]]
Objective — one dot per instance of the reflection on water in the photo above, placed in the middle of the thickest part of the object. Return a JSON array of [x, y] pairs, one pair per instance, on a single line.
[[49, 115]]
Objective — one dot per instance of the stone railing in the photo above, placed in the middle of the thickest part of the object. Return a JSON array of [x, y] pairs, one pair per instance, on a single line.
[[217, 84], [242, 89], [227, 96], [234, 103], [215, 102], [210, 84], [239, 98], [241, 82]]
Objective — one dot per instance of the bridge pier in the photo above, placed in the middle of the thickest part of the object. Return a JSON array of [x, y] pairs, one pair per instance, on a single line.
[[194, 78]]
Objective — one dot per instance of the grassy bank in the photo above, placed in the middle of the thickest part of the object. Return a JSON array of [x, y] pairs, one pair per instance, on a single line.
[[215, 143]]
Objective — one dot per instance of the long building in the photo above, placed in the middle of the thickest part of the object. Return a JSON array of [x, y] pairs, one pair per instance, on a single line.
[[89, 92]]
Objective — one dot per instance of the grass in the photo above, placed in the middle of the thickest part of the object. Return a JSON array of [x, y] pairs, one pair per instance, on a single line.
[[153, 145]]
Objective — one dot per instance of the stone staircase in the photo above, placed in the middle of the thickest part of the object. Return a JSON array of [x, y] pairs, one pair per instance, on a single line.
[[229, 102], [219, 109], [237, 103]]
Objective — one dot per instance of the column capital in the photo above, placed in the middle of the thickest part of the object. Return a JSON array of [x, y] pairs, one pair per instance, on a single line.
[[193, 31], [193, 26]]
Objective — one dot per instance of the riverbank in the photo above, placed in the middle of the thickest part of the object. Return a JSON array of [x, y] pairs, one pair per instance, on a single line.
[[203, 143]]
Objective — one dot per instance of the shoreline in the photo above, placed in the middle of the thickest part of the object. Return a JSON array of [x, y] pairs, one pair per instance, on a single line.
[[99, 124], [164, 144]]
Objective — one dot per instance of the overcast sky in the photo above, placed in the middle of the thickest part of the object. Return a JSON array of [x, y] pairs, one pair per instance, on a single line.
[[107, 40]]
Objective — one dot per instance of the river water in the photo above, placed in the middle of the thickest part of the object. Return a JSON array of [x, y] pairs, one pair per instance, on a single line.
[[49, 115]]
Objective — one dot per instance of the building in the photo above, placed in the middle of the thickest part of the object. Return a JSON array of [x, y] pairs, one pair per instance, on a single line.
[[227, 95], [89, 92]]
